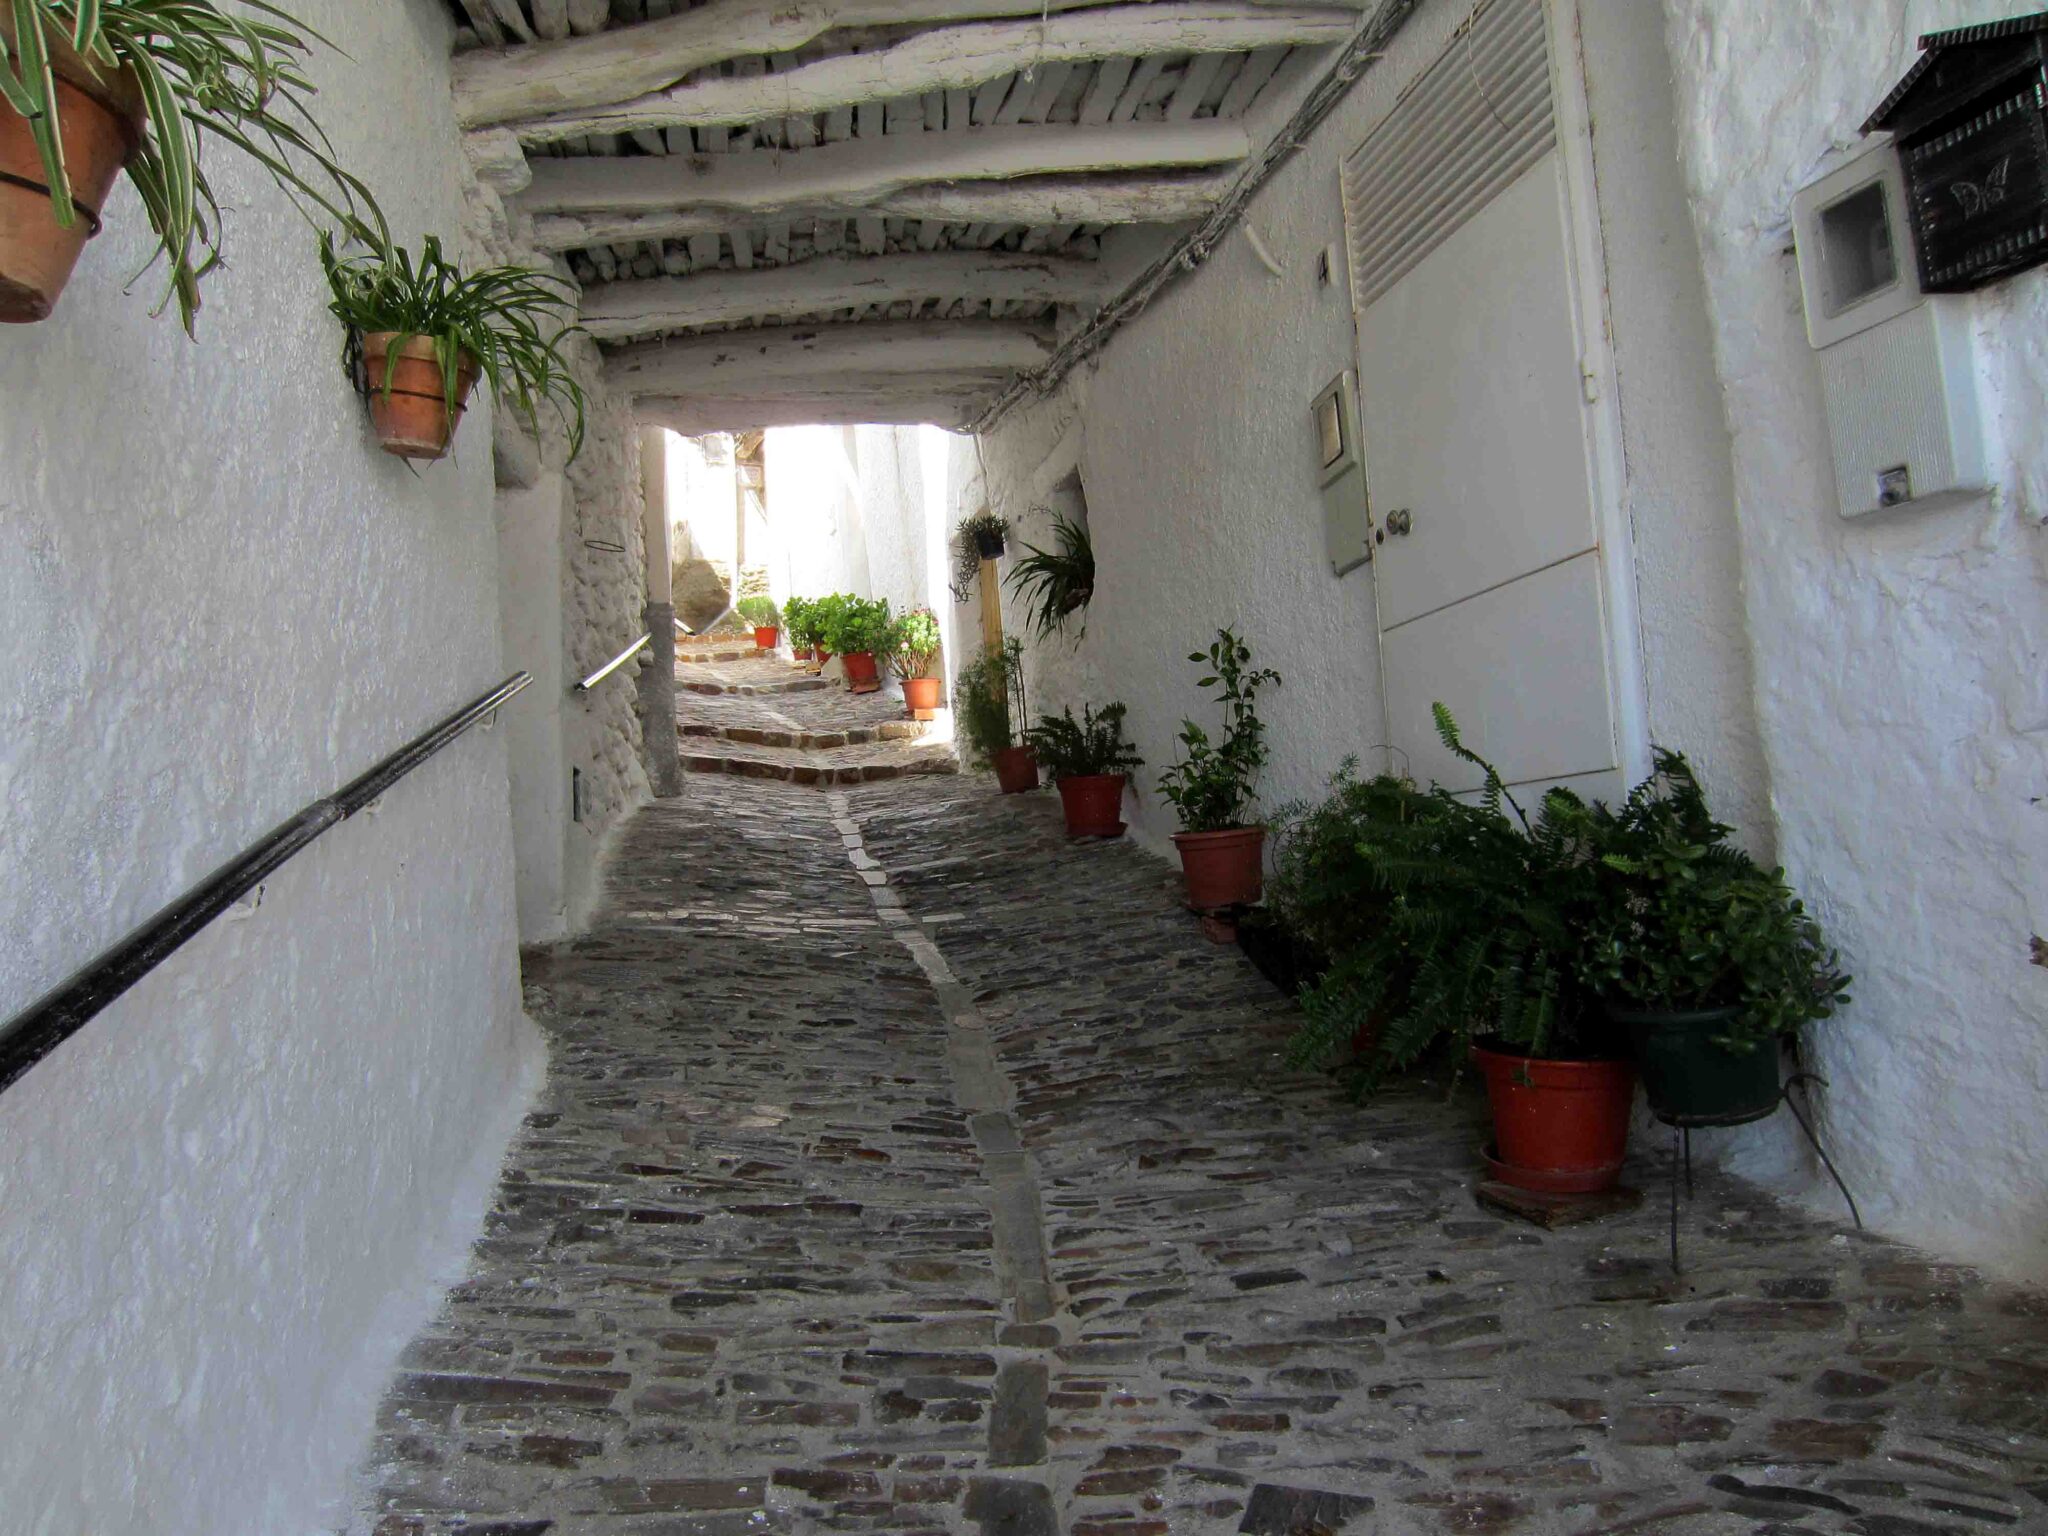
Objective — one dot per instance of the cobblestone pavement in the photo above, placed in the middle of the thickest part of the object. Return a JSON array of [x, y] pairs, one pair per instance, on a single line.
[[762, 717], [904, 1167]]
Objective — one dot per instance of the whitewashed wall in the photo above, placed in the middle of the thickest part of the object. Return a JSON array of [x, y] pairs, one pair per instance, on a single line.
[[224, 1206], [1899, 663]]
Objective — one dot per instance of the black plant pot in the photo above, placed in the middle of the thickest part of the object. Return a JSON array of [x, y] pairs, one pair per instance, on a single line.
[[989, 545], [1277, 954], [1690, 1080]]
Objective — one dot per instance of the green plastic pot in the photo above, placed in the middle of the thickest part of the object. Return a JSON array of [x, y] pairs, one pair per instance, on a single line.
[[1692, 1081]]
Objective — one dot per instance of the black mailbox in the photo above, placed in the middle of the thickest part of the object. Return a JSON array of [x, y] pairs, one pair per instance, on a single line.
[[1971, 125]]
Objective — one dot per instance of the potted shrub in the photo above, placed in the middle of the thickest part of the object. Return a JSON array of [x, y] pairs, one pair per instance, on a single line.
[[861, 631], [1056, 584], [988, 700], [1090, 762], [824, 614], [420, 333], [982, 536], [1471, 943], [1707, 959], [916, 655], [803, 635], [89, 88], [761, 617], [1222, 851]]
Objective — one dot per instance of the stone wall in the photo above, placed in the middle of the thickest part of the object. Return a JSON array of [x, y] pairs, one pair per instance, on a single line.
[[1899, 666], [227, 1202]]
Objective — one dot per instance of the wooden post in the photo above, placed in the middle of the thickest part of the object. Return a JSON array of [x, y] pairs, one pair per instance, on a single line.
[[991, 606]]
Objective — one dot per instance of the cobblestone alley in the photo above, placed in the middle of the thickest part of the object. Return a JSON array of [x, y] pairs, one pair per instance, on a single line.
[[904, 1167]]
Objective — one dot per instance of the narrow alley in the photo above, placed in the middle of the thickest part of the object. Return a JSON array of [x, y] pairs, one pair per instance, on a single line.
[[904, 1166]]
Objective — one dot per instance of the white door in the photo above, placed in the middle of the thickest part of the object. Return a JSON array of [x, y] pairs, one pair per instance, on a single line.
[[1486, 565]]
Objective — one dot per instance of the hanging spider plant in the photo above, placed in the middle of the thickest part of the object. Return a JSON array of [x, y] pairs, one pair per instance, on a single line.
[[507, 322], [1056, 584], [194, 73]]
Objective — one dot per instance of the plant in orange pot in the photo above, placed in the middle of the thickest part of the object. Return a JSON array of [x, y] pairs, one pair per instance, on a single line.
[[1090, 762], [915, 660], [762, 618], [1222, 850], [90, 88], [420, 334]]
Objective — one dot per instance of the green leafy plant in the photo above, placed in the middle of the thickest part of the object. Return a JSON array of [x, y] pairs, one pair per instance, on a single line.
[[968, 536], [1687, 921], [824, 617], [1472, 920], [498, 316], [799, 617], [206, 74], [1071, 749], [982, 700], [758, 611], [1056, 585], [860, 626], [916, 648], [1212, 786]]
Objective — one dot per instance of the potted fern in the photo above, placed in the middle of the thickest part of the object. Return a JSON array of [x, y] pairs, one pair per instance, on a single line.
[[761, 617], [1706, 958], [916, 654], [1222, 850], [419, 334], [861, 631], [90, 88], [1090, 762]]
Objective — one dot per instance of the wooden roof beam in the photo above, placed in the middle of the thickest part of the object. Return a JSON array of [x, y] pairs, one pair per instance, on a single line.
[[695, 415], [741, 362]]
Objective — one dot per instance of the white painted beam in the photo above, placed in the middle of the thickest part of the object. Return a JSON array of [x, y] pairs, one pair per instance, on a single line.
[[497, 85], [955, 58], [735, 362], [697, 415], [620, 310]]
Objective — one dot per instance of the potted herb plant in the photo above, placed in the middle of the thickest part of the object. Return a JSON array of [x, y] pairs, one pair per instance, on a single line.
[[1056, 584], [1090, 762], [916, 654], [1706, 958], [761, 617], [1470, 942], [988, 700], [803, 636], [981, 536], [1222, 851], [421, 333], [824, 614], [89, 88], [861, 631]]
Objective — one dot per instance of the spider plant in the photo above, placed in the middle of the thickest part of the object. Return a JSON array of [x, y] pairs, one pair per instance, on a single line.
[[498, 316], [205, 74], [1056, 584]]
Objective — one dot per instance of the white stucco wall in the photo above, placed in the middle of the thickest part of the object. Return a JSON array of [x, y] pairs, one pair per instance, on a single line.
[[226, 1203], [1900, 682]]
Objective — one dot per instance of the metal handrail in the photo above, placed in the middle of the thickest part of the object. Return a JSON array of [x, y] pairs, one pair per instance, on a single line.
[[614, 664], [68, 1007]]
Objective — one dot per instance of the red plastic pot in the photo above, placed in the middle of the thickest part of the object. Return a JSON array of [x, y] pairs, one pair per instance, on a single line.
[[1558, 1126], [861, 675], [921, 695], [1094, 804], [765, 636], [805, 654], [1223, 869], [1017, 770]]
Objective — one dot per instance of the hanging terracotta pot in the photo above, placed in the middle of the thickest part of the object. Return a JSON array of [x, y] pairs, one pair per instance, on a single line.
[[412, 418], [766, 635], [1223, 869], [1558, 1126], [1094, 804], [921, 695], [1016, 770], [100, 122], [861, 675]]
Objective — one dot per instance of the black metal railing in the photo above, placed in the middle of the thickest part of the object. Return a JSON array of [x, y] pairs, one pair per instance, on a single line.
[[68, 1007]]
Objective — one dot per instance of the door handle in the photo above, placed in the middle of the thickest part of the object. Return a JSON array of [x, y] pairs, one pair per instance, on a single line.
[[1400, 521]]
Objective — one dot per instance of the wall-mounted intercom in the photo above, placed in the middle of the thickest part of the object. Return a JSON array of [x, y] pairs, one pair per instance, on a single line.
[[1340, 471], [1897, 363]]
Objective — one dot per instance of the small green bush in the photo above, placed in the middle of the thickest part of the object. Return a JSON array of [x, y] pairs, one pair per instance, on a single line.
[[759, 611], [860, 625], [1071, 749], [1212, 786], [916, 643]]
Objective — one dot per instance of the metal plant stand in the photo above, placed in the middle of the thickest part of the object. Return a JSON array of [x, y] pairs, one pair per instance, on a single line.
[[1681, 1152]]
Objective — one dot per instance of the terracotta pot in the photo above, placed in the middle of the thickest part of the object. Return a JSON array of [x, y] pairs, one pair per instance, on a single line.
[[861, 675], [1094, 804], [805, 654], [412, 420], [921, 693], [100, 120], [766, 635], [1223, 869], [1016, 770], [1560, 1126]]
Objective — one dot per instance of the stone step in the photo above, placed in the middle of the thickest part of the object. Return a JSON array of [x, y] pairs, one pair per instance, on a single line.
[[806, 741], [695, 655], [749, 690], [820, 774]]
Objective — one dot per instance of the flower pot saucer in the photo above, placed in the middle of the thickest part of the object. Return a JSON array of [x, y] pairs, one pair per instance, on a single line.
[[1546, 1180]]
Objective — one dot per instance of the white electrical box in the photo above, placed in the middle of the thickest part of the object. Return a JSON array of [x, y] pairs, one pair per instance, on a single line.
[[1897, 365], [1340, 472]]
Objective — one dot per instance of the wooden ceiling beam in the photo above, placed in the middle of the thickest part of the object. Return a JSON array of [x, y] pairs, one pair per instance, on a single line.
[[739, 362], [695, 415], [957, 58], [650, 306]]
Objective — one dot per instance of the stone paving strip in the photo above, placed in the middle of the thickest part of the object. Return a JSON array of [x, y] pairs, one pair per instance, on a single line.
[[904, 1167]]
